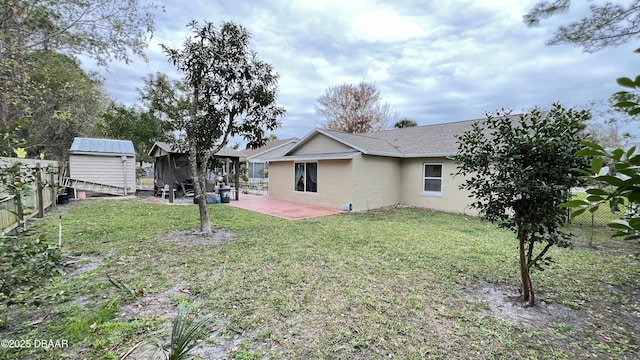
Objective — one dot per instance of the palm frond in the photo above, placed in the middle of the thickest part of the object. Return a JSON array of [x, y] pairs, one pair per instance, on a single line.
[[187, 333]]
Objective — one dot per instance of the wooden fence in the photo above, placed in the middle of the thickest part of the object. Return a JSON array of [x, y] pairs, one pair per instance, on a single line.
[[41, 197]]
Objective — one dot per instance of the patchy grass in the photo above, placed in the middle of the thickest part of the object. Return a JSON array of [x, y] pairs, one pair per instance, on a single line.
[[602, 216], [403, 283], [145, 181]]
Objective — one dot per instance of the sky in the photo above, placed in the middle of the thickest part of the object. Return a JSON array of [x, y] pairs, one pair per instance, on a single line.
[[433, 61]]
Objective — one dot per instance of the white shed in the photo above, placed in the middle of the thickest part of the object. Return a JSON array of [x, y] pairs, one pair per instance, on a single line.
[[102, 165]]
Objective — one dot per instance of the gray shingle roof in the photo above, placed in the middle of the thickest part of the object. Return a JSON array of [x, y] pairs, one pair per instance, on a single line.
[[329, 155], [417, 141], [270, 145], [229, 152], [101, 146]]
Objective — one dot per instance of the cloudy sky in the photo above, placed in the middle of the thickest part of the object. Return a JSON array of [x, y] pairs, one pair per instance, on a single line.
[[433, 61]]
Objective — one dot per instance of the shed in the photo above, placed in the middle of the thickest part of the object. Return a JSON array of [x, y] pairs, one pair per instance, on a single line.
[[102, 165]]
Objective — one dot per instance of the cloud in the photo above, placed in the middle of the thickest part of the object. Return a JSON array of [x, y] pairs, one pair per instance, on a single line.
[[432, 61]]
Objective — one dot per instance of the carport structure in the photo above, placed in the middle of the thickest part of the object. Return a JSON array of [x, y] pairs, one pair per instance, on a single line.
[[172, 167]]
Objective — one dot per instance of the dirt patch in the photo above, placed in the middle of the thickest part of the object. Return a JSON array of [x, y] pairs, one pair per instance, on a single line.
[[505, 302], [160, 306], [152, 305], [78, 265], [570, 330], [196, 237]]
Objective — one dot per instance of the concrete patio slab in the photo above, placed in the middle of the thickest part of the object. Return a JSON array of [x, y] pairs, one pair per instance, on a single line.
[[281, 208]]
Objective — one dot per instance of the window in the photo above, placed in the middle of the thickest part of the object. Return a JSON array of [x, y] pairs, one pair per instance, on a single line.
[[432, 179], [256, 170], [306, 177]]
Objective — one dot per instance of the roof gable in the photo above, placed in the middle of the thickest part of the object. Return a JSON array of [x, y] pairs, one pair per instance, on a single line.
[[320, 141], [418, 141], [269, 147]]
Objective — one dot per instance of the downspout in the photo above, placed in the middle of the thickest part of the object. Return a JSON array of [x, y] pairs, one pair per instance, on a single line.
[[124, 171], [266, 166]]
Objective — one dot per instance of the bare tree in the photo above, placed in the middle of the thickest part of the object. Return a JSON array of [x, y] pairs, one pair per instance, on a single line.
[[354, 108], [608, 127]]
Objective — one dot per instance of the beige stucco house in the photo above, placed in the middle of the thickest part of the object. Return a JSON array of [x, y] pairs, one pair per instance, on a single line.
[[365, 171]]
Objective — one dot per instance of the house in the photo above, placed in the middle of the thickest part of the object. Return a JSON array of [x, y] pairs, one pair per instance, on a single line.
[[171, 166], [371, 170], [104, 166], [257, 159]]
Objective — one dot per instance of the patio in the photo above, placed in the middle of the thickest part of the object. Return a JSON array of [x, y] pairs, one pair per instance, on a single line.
[[283, 209], [274, 207]]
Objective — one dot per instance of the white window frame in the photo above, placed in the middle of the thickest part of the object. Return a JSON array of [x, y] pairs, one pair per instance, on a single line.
[[425, 177], [305, 191]]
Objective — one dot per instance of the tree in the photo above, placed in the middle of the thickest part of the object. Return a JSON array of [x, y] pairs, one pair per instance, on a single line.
[[405, 123], [37, 37], [143, 128], [65, 102], [608, 24], [354, 108], [608, 134], [232, 93], [103, 30], [615, 169], [517, 170], [628, 101], [618, 170], [606, 126], [168, 100]]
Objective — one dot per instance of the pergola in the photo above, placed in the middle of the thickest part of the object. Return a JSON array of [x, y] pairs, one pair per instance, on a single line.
[[172, 167]]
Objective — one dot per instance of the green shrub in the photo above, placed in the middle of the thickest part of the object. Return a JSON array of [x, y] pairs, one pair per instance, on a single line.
[[26, 260]]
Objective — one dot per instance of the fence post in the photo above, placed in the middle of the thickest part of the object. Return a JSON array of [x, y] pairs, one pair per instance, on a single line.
[[53, 191], [39, 193]]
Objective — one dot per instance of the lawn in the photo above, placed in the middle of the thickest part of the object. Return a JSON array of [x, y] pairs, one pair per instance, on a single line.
[[600, 217], [404, 283]]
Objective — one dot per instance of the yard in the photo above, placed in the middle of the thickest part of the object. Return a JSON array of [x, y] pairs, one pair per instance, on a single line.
[[401, 282], [602, 216]]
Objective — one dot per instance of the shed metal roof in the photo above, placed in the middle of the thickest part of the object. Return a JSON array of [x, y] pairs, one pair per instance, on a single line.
[[101, 146]]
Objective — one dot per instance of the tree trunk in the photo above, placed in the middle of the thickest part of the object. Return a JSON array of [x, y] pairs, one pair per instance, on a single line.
[[524, 270], [197, 170], [205, 225], [532, 294]]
